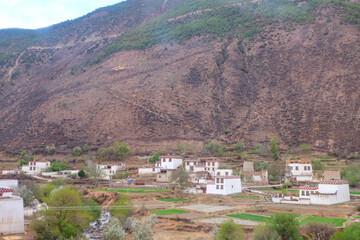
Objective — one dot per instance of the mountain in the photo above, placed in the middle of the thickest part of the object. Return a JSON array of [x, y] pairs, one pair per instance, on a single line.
[[158, 73]]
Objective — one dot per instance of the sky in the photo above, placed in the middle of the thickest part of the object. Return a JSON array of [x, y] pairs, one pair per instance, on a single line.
[[34, 14]]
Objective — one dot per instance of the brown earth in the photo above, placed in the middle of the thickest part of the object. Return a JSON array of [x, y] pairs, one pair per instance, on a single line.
[[299, 83]]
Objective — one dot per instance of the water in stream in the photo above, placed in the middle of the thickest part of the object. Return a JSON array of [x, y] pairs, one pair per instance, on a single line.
[[96, 228]]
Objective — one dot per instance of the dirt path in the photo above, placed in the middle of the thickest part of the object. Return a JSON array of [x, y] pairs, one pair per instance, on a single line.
[[16, 65]]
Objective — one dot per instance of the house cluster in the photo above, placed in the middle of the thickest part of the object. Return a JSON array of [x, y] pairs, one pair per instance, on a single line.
[[204, 172], [327, 191], [11, 209], [107, 171]]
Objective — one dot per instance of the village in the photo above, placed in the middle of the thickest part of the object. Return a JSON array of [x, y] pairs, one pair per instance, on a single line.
[[190, 194]]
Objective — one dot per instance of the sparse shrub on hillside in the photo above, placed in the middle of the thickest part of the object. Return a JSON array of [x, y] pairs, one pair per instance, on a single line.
[[238, 147], [352, 156], [303, 148], [51, 150], [122, 175], [81, 174], [154, 158], [274, 148], [276, 171], [261, 150], [317, 164], [352, 174], [260, 165], [86, 147], [265, 232], [224, 166], [76, 151], [215, 149], [229, 230]]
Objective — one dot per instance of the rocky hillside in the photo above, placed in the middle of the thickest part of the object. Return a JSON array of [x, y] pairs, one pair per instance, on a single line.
[[160, 72]]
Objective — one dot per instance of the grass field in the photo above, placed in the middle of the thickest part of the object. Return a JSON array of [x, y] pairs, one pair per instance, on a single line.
[[358, 193], [245, 197], [336, 222], [133, 190], [252, 217], [173, 199], [168, 211]]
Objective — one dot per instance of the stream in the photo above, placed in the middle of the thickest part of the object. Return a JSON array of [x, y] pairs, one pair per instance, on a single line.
[[96, 228]]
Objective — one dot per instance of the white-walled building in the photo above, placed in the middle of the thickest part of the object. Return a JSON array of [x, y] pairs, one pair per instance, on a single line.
[[224, 185], [171, 162], [11, 213], [110, 170], [224, 172], [300, 170], [35, 167], [323, 193], [211, 165], [9, 183], [149, 170], [193, 166], [60, 174]]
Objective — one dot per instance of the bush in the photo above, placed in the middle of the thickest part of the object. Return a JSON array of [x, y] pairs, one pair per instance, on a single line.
[[58, 166], [215, 149], [318, 231], [286, 225], [51, 150], [238, 147], [260, 165], [76, 151], [265, 232], [113, 230], [229, 231], [261, 150], [143, 230], [22, 162], [276, 171], [122, 175], [350, 232], [86, 147], [118, 151], [352, 174], [122, 208], [82, 173], [26, 194]]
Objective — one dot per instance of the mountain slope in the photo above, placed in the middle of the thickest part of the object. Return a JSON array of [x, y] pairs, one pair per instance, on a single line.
[[155, 73]]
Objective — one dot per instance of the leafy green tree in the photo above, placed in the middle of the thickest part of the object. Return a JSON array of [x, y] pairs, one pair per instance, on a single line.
[[238, 147], [180, 179], [23, 154], [143, 229], [77, 151], [286, 225], [352, 174], [43, 192], [154, 158], [113, 230], [265, 232], [61, 220], [338, 236], [276, 171], [215, 149], [22, 162], [86, 147], [274, 148], [352, 231], [317, 164], [118, 151], [94, 208], [58, 166], [229, 230], [82, 173], [122, 208]]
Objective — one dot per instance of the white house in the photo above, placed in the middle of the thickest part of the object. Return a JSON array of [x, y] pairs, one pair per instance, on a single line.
[[11, 213], [9, 183], [192, 165], [324, 193], [224, 185], [35, 167], [171, 162], [211, 165], [149, 170], [60, 174], [301, 170], [223, 172], [110, 170]]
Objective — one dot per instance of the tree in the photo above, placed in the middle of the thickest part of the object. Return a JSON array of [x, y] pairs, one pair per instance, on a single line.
[[180, 179], [43, 192], [352, 174], [265, 232], [77, 151], [338, 236], [113, 230], [26, 194], [317, 164], [154, 158], [276, 171], [58, 166], [51, 150], [215, 149], [143, 229], [230, 231], [286, 225], [122, 208], [22, 162], [86, 147], [315, 231], [238, 147], [352, 231], [273, 148], [118, 151], [64, 218], [81, 173]]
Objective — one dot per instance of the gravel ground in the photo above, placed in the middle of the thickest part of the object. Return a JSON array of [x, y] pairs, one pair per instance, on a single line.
[[206, 208]]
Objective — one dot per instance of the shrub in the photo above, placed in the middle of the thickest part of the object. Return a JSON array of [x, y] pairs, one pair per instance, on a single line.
[[122, 175], [86, 147], [22, 162], [318, 231], [261, 149], [352, 174], [143, 229], [265, 232], [229, 231], [317, 164], [58, 166], [81, 173], [76, 151], [113, 230], [51, 150], [286, 225], [260, 165], [276, 171], [274, 148], [118, 151], [26, 194], [238, 147], [215, 149]]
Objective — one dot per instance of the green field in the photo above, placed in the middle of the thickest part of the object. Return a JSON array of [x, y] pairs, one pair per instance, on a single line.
[[252, 217], [336, 222], [245, 197], [358, 193], [133, 190], [168, 211], [173, 199]]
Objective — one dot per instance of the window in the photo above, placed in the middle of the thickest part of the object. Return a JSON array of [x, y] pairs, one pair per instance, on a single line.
[[213, 164], [159, 176], [217, 180], [232, 186], [169, 159], [307, 193], [222, 180], [153, 169], [226, 173], [164, 160], [188, 163], [296, 168], [217, 186], [213, 169], [222, 186], [302, 193]]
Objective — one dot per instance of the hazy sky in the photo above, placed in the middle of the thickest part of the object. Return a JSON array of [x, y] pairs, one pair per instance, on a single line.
[[41, 13]]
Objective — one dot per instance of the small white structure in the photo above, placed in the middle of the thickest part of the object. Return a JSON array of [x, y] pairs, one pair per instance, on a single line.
[[61, 174], [9, 183], [35, 167], [193, 166], [224, 185], [171, 162], [6, 172], [324, 193], [149, 170], [11, 213], [300, 170], [108, 170]]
